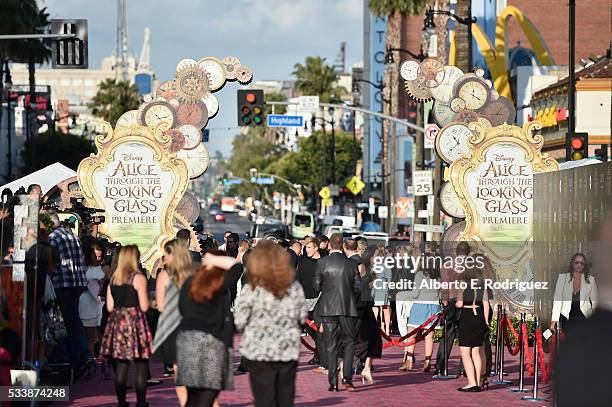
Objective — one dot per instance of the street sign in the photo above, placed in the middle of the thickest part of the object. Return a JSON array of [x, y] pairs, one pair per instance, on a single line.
[[281, 120], [335, 191], [355, 185], [423, 183], [265, 181], [423, 213], [308, 103], [383, 212], [431, 131], [371, 207], [417, 227], [325, 193], [233, 181]]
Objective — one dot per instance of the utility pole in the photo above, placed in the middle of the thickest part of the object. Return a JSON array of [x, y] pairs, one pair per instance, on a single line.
[[393, 180], [571, 84], [332, 149], [419, 165]]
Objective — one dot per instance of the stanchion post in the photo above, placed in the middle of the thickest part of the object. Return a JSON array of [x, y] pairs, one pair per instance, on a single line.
[[497, 330], [521, 388], [500, 372], [535, 397], [445, 375]]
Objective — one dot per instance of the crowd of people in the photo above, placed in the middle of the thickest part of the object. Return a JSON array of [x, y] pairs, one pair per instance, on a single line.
[[187, 313]]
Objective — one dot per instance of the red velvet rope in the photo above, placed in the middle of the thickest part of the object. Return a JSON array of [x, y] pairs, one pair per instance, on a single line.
[[312, 325], [508, 324], [419, 330], [307, 345], [541, 357]]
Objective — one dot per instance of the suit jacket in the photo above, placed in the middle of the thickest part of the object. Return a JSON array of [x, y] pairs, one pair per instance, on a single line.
[[338, 280], [562, 300]]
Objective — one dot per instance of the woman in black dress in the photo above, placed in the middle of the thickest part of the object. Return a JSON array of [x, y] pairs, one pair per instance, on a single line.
[[368, 344], [473, 303]]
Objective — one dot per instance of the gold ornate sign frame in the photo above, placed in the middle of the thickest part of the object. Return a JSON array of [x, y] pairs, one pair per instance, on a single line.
[[483, 138], [159, 143]]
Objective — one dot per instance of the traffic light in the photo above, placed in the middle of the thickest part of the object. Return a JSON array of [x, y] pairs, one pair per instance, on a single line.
[[253, 173], [69, 53], [250, 107], [576, 146], [602, 153]]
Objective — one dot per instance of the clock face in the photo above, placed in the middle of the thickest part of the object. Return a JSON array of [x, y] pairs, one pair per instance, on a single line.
[[127, 119], [212, 105], [500, 111], [446, 79], [166, 90], [457, 105], [409, 70], [452, 142], [431, 73], [449, 202], [195, 114], [474, 92], [193, 136], [443, 113], [450, 238], [215, 70], [197, 160], [158, 112]]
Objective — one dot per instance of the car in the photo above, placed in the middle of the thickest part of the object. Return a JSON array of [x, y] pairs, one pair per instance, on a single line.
[[220, 217], [271, 231], [214, 209]]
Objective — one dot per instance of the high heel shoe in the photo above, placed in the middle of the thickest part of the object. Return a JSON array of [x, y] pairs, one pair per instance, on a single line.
[[366, 375], [484, 382], [408, 360], [427, 366]]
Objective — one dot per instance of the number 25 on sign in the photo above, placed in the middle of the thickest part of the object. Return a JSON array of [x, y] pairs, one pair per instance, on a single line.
[[422, 181]]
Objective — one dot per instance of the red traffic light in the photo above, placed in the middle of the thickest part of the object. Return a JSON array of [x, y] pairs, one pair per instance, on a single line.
[[251, 97], [577, 143]]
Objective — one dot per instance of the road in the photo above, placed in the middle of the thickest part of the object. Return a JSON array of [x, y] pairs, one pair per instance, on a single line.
[[233, 223]]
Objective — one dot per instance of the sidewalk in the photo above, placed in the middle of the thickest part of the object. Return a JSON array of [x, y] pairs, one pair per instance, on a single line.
[[391, 388]]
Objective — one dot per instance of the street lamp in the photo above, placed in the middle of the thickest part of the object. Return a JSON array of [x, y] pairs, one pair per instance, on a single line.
[[389, 60], [323, 122], [429, 26], [8, 84]]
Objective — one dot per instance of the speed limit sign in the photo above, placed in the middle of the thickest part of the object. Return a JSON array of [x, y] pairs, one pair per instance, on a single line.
[[431, 131], [423, 183]]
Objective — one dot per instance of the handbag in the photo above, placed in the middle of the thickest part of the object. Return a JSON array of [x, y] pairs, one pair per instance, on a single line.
[[52, 327]]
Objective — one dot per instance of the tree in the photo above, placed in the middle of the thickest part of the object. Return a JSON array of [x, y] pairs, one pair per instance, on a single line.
[[315, 77], [113, 99], [305, 166], [67, 149], [24, 17]]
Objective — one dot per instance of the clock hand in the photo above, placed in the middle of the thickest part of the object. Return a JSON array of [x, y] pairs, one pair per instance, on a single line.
[[474, 96]]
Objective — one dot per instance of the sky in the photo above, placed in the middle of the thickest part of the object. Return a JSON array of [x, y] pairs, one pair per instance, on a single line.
[[269, 36]]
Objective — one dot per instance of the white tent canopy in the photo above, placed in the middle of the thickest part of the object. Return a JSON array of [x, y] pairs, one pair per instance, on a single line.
[[47, 178], [579, 163]]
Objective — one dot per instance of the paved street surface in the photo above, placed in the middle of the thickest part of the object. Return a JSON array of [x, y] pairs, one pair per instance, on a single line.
[[391, 388], [233, 222]]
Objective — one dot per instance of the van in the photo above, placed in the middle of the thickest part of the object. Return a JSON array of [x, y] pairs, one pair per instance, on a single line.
[[303, 225]]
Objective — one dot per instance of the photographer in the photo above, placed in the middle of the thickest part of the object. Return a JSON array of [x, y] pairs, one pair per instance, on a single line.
[[69, 282]]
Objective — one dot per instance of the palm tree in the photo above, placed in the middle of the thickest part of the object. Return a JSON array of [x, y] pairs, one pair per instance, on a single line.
[[113, 99], [315, 77], [462, 43]]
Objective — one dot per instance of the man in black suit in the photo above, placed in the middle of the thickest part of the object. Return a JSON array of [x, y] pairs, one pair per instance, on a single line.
[[338, 280]]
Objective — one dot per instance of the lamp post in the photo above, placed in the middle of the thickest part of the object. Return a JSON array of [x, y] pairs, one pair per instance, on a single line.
[[7, 83], [430, 26], [323, 123]]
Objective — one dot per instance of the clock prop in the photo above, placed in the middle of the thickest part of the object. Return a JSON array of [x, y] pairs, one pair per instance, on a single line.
[[142, 167]]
